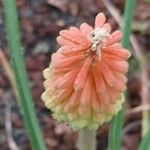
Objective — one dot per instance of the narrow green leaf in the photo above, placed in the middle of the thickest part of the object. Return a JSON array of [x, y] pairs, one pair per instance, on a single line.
[[116, 126], [145, 143], [16, 53], [127, 25], [115, 132]]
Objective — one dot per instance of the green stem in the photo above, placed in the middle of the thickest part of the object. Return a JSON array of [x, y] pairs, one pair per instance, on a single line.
[[127, 24], [87, 139], [16, 52], [145, 144], [117, 123], [114, 141], [145, 122], [145, 97]]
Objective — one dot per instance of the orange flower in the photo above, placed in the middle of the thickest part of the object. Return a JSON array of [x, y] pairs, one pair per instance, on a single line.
[[85, 80]]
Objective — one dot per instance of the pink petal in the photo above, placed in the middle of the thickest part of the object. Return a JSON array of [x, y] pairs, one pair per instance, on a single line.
[[77, 39], [86, 93], [81, 77], [107, 74], [94, 100], [100, 20], [107, 27], [75, 30], [72, 50], [65, 93], [111, 57], [85, 29], [62, 42], [119, 66], [120, 77], [119, 52], [99, 81], [114, 37], [67, 80], [114, 95], [119, 86], [73, 102], [104, 99], [68, 61]]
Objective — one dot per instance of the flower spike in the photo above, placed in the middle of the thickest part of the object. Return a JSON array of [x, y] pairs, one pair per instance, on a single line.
[[85, 80]]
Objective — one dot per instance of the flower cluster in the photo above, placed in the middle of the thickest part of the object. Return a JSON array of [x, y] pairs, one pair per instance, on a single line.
[[85, 80]]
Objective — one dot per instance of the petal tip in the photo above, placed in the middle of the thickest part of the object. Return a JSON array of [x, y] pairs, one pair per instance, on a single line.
[[100, 20]]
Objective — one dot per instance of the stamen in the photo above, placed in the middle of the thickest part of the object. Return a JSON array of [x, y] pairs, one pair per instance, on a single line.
[[98, 39]]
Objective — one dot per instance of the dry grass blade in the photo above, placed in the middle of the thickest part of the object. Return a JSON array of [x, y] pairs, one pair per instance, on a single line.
[[5, 64], [137, 109], [8, 126]]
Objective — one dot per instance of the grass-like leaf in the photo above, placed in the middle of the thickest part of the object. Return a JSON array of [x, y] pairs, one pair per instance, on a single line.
[[145, 143], [116, 126], [16, 53], [115, 132]]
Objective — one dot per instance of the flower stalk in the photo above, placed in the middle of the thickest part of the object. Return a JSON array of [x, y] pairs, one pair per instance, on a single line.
[[87, 139]]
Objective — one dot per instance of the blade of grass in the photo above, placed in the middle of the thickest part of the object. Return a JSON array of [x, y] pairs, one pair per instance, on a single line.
[[9, 72], [114, 141], [127, 25], [145, 144], [16, 52], [117, 122]]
